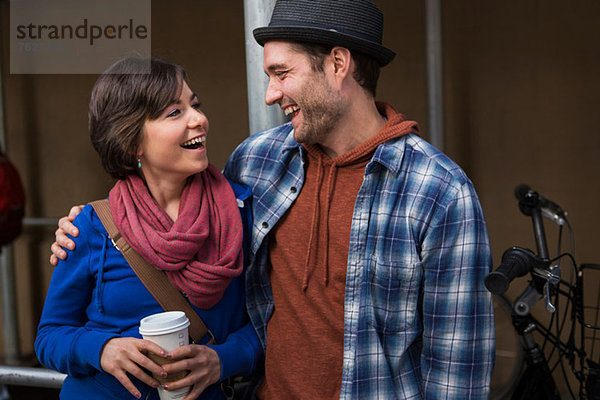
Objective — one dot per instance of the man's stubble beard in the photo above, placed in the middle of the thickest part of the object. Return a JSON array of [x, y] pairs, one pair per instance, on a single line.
[[322, 109]]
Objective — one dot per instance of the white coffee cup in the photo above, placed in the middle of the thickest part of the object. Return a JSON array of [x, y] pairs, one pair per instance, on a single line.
[[169, 330]]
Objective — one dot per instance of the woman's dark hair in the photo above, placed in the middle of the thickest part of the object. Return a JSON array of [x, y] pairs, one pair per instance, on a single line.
[[366, 73], [125, 96]]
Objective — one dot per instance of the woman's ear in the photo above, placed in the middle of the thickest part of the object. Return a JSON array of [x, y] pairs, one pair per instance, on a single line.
[[138, 157]]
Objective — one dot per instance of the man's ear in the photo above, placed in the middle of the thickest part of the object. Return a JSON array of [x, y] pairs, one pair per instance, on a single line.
[[341, 60]]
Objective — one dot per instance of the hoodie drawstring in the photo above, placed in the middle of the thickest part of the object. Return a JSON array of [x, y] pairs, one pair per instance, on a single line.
[[100, 277], [314, 225], [316, 218], [330, 186]]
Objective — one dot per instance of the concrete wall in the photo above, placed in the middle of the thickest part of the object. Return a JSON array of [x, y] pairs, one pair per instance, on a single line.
[[521, 88]]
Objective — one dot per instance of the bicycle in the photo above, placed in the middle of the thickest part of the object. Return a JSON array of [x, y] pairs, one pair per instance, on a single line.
[[575, 352]]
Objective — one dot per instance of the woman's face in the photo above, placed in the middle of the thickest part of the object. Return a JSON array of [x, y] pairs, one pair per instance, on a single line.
[[173, 146]]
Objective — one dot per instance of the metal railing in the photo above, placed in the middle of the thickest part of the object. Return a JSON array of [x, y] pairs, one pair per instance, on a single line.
[[27, 376]]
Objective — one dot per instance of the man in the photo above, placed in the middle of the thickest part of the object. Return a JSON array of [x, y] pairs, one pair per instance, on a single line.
[[369, 248]]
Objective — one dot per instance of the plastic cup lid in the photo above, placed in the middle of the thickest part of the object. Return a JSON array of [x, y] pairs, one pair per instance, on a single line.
[[163, 323]]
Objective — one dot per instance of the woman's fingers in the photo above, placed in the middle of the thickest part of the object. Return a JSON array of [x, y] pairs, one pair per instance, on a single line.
[[126, 382], [141, 358], [194, 393], [202, 362], [126, 355], [118, 367]]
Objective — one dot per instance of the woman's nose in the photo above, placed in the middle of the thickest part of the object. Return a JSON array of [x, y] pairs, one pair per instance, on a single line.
[[197, 119]]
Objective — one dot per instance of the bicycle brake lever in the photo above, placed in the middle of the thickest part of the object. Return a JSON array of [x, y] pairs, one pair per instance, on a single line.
[[551, 274], [552, 277], [549, 306]]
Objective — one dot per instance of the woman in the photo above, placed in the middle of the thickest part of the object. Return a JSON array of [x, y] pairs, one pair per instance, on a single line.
[[182, 216]]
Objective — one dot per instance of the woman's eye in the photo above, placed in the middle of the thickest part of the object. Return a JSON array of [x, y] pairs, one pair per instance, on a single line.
[[173, 113], [197, 106]]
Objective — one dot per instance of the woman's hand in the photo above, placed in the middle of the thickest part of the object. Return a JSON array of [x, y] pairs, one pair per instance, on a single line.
[[202, 362], [125, 355]]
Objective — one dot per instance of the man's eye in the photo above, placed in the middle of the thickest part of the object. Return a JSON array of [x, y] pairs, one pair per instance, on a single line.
[[280, 74]]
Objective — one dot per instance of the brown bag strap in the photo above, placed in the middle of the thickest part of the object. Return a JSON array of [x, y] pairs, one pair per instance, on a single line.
[[155, 280]]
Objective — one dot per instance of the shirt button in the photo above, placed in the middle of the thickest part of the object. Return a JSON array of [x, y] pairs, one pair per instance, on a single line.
[[265, 225], [293, 189]]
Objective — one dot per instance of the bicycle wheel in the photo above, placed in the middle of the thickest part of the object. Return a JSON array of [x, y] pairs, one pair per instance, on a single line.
[[509, 354]]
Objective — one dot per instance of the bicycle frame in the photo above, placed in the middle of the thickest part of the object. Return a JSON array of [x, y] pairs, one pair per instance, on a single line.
[[537, 381], [537, 370]]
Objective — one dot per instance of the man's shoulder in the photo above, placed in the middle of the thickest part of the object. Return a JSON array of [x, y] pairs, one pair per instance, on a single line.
[[260, 155], [423, 155], [423, 170], [274, 139]]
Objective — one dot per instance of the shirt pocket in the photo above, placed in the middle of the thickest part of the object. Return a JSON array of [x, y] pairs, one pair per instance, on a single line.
[[393, 289]]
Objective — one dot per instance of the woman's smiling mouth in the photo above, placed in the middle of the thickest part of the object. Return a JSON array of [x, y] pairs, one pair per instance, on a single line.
[[195, 143]]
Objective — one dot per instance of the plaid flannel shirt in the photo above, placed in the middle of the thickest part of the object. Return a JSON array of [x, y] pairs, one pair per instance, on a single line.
[[418, 319]]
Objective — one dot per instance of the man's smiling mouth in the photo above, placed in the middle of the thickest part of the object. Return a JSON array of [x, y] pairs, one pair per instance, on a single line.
[[290, 110]]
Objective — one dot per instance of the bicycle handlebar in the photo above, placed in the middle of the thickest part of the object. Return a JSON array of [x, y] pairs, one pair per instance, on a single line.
[[516, 262], [530, 199]]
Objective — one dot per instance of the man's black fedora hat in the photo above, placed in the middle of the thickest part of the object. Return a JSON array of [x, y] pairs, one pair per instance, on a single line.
[[354, 24]]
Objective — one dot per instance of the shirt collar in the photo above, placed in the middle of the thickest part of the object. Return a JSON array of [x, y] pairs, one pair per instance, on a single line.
[[389, 154]]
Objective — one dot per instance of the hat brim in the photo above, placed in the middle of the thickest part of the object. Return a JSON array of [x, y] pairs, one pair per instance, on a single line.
[[382, 54]]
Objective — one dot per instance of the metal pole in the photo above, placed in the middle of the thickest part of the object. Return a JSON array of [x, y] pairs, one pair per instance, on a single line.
[[9, 309], [2, 121], [258, 13], [38, 377], [435, 100], [10, 326]]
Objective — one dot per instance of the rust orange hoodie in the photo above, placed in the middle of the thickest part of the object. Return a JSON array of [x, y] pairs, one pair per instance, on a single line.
[[309, 250]]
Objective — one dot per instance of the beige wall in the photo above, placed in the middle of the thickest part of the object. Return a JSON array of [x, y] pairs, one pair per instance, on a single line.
[[521, 102]]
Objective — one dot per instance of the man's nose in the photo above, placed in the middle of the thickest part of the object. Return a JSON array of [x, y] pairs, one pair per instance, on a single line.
[[273, 94]]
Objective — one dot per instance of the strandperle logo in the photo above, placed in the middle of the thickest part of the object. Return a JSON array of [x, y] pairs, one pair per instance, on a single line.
[[85, 30], [76, 36]]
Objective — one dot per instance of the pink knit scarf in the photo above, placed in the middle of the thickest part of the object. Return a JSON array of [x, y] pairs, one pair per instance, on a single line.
[[200, 252]]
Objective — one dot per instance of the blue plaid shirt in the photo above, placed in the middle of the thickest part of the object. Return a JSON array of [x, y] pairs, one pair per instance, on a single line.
[[418, 319]]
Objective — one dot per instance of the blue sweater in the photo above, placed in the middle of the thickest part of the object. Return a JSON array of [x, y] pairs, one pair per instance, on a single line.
[[95, 296]]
